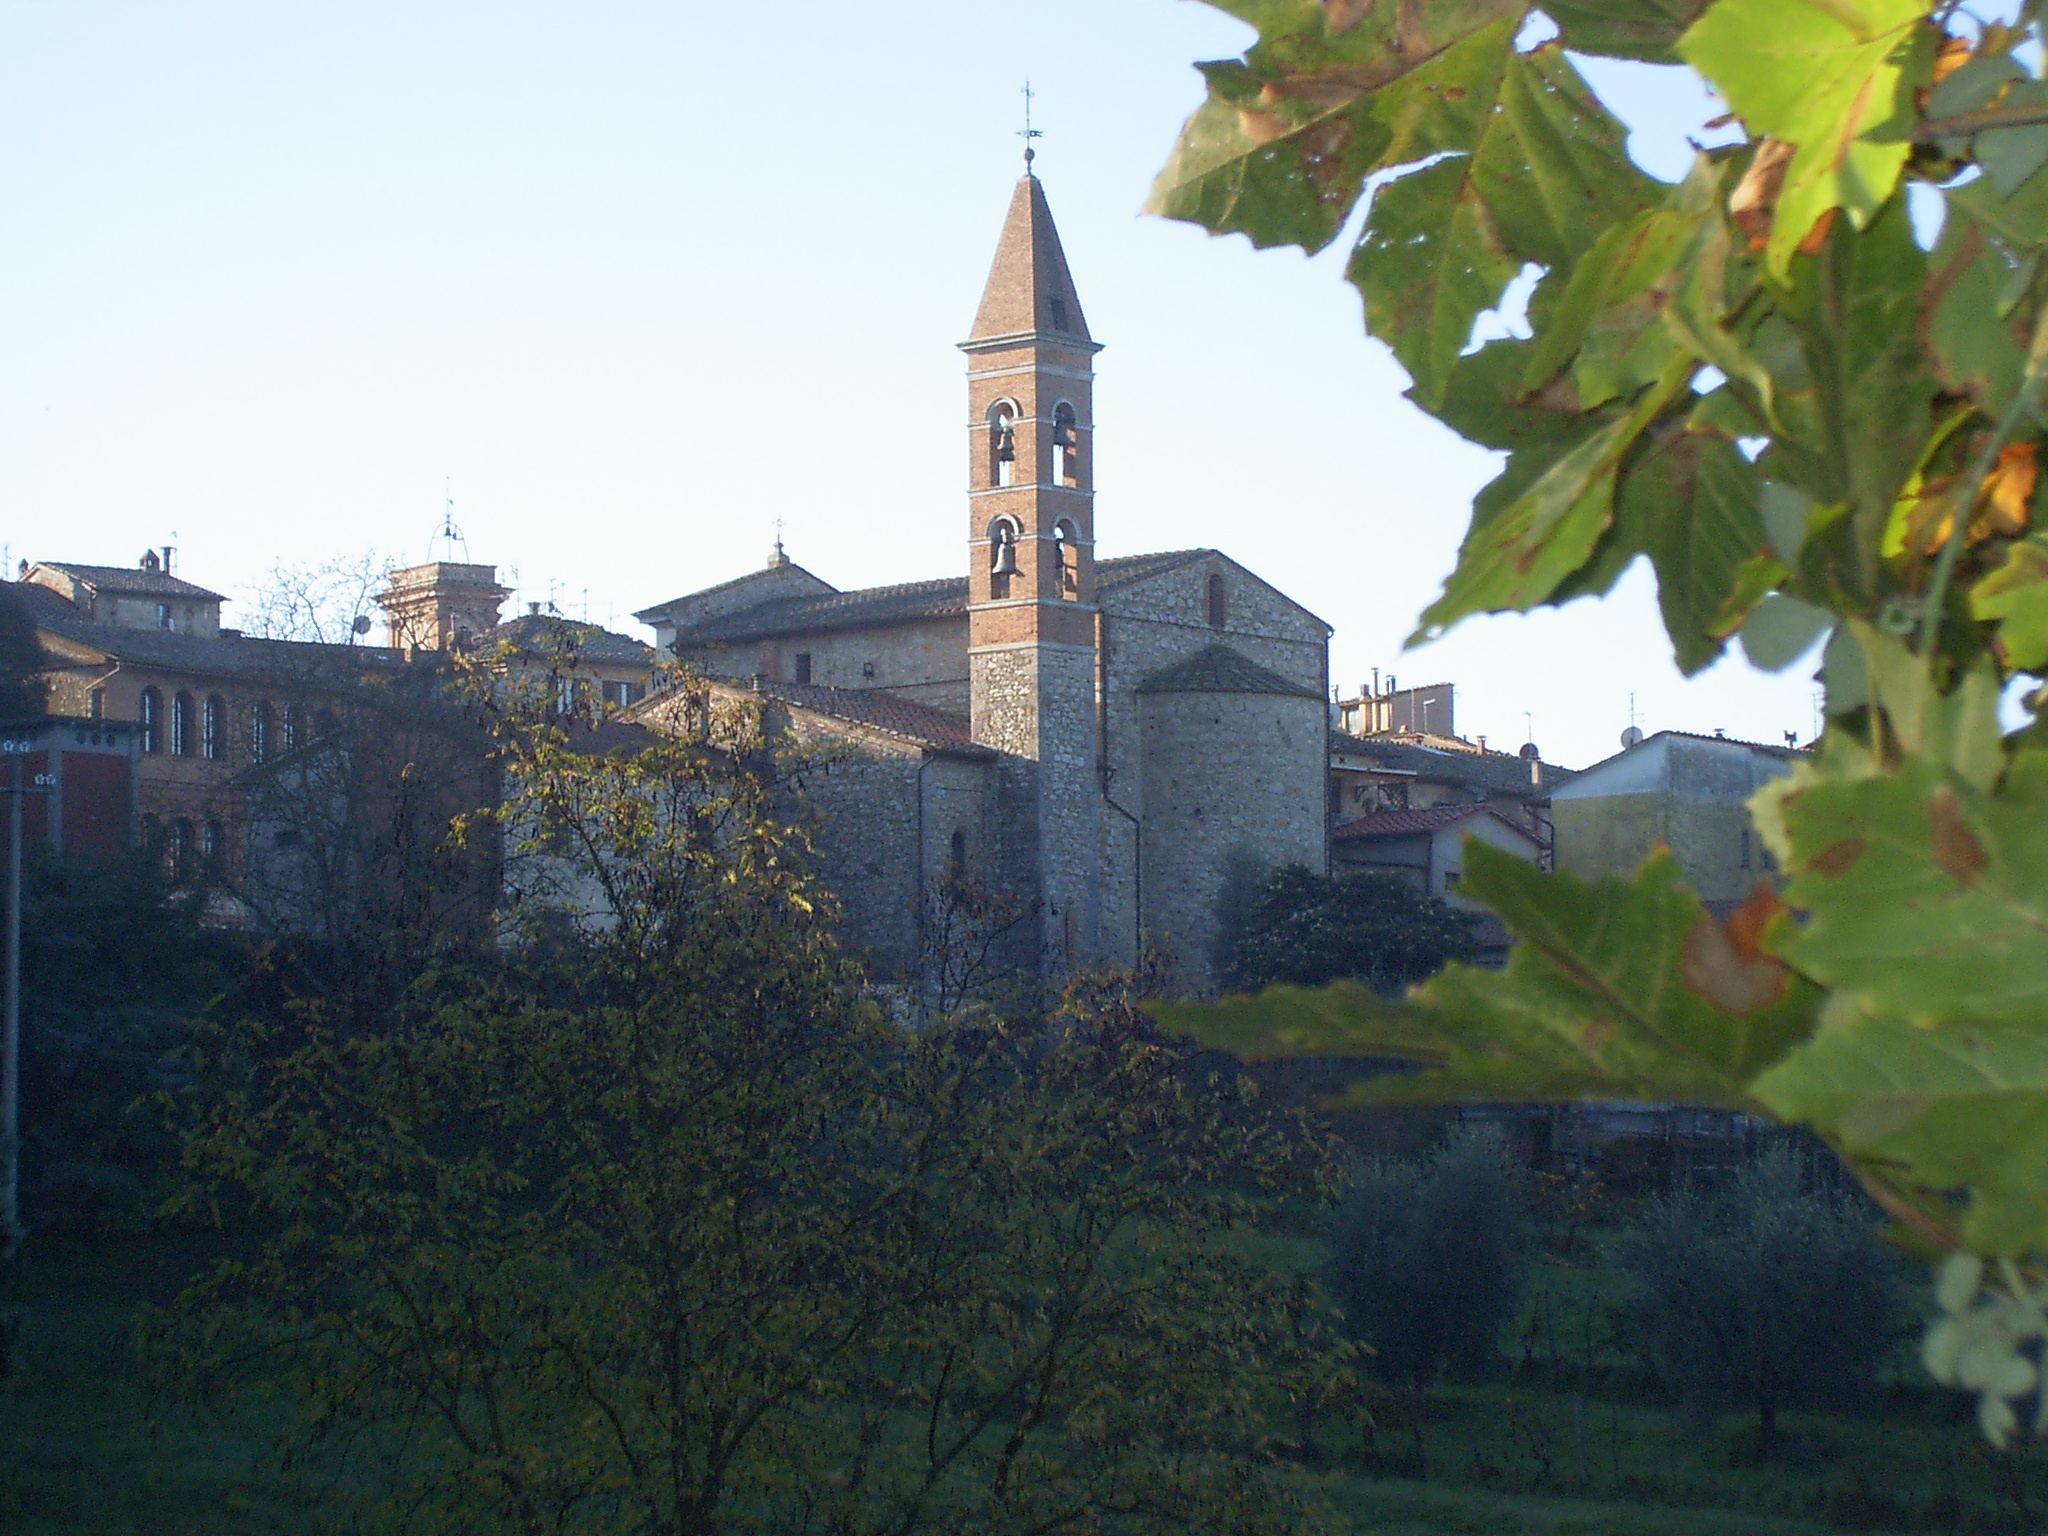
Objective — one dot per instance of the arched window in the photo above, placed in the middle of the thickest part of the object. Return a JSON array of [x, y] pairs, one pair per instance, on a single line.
[[1066, 549], [294, 727], [959, 854], [1002, 556], [181, 724], [213, 727], [178, 851], [1219, 604], [1002, 443], [213, 845], [259, 733], [152, 718], [1066, 446]]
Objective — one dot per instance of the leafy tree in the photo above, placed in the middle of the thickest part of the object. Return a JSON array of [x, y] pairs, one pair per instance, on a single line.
[[115, 968], [1304, 929], [659, 1226], [22, 692], [1429, 1258], [1813, 428], [1764, 1294]]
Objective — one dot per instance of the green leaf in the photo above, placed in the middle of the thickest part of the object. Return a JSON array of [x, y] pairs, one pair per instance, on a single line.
[[1924, 895], [1621, 265], [1516, 559], [2010, 155], [1281, 148], [1648, 30], [1948, 1107], [2015, 597], [1594, 1002], [1690, 503], [1545, 172], [1782, 630], [1979, 345], [2020, 218], [1833, 77]]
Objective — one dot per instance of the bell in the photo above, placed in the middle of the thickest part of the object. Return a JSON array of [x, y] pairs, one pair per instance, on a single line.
[[1006, 447], [1006, 559]]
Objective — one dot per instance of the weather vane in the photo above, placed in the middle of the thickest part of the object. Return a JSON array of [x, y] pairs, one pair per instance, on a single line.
[[1027, 133]]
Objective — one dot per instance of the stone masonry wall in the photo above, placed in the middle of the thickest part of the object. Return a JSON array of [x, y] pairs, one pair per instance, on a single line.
[[1223, 774], [926, 661]]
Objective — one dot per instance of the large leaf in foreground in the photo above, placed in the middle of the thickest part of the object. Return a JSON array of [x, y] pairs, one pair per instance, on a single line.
[[1925, 895], [1832, 77], [1939, 1108], [1607, 995]]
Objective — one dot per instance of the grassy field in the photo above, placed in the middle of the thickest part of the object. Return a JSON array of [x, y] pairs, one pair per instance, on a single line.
[[84, 1450]]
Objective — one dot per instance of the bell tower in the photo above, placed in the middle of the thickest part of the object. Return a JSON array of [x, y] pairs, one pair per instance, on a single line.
[[1031, 559]]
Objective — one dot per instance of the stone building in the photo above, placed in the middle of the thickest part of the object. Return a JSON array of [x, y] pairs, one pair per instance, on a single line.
[[1099, 736], [1684, 792], [1405, 771]]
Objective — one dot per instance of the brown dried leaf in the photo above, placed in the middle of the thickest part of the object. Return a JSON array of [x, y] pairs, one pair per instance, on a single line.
[[1954, 846], [1755, 198], [1726, 966], [1343, 15], [2006, 492], [1837, 858]]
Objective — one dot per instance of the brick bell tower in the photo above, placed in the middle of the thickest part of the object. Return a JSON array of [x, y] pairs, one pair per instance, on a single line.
[[1031, 564]]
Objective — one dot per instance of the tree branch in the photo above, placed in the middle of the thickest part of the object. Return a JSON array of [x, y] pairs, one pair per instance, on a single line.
[[1963, 124]]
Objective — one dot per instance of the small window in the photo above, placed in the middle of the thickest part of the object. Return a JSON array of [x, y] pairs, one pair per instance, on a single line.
[[213, 844], [1219, 602], [181, 724], [803, 666], [1059, 313], [294, 727], [259, 733], [1745, 847], [96, 704], [618, 695], [213, 727], [152, 720], [1066, 550], [959, 854], [163, 616]]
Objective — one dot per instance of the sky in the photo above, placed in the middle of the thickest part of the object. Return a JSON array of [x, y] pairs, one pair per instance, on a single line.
[[629, 282]]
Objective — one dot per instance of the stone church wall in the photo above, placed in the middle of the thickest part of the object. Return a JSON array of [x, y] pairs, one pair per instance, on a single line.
[[1225, 775], [924, 662]]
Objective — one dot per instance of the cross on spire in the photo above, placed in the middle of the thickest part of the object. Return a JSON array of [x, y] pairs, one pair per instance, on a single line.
[[1027, 133]]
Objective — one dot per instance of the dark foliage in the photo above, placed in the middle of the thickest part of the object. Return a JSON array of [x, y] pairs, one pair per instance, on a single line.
[[1768, 1293], [1429, 1257], [114, 967], [22, 693], [1306, 929]]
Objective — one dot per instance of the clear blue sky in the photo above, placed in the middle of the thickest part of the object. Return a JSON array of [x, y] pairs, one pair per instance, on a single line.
[[636, 279]]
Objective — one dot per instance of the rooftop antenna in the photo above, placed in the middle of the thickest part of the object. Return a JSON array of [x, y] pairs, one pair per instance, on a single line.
[[1529, 725], [1027, 133], [449, 533]]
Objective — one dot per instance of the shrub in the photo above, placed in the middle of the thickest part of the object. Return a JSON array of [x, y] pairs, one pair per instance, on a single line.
[[1767, 1293], [1306, 929], [1430, 1256]]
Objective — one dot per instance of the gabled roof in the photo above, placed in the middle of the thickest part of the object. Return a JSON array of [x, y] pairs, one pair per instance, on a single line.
[[880, 710], [1432, 818], [550, 633], [783, 568], [1029, 288], [69, 638], [1219, 669], [1504, 773], [129, 581]]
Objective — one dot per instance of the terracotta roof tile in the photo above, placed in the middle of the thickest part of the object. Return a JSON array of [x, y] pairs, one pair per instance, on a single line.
[[882, 710], [1219, 669], [1407, 823]]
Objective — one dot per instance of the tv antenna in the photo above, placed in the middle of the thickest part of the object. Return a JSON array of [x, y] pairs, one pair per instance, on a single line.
[[1027, 133]]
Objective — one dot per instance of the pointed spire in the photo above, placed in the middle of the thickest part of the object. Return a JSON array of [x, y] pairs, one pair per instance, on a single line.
[[1029, 287]]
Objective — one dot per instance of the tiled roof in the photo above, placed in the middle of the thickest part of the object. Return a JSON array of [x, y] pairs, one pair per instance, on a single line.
[[880, 709], [1219, 669], [905, 603], [588, 642], [131, 581], [1497, 772], [1407, 823], [224, 656]]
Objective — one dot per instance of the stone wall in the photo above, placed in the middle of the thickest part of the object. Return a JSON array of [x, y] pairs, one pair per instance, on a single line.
[[1225, 776], [924, 661]]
